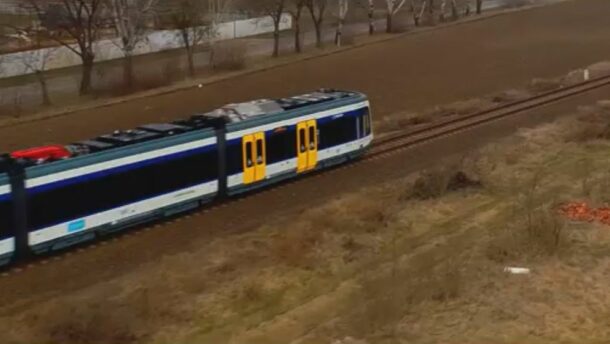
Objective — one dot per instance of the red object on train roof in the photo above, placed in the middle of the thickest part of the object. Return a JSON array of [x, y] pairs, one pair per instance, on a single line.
[[52, 152]]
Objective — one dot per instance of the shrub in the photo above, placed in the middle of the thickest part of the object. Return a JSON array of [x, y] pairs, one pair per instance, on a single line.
[[591, 125], [436, 182], [229, 56]]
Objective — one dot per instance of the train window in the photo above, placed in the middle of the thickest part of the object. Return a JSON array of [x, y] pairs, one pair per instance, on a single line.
[[234, 157], [302, 141], [312, 138], [280, 145], [71, 201], [249, 161], [367, 122], [337, 131], [6, 216], [259, 152]]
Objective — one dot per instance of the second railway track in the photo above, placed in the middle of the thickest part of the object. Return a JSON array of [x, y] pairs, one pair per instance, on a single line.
[[440, 128]]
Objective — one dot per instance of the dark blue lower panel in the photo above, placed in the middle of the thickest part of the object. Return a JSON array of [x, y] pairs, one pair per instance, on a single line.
[[107, 229], [5, 259]]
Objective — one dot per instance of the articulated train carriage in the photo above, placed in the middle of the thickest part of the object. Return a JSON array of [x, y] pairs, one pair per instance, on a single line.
[[55, 196]]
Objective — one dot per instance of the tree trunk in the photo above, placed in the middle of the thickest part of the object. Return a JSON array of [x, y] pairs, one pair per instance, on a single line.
[[276, 41], [191, 63], [318, 27], [371, 19], [128, 70], [454, 10], [479, 6], [339, 33], [431, 18], [44, 89], [389, 24], [85, 81], [297, 34]]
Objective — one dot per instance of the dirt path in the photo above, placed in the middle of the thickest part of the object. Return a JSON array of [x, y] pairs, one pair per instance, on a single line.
[[409, 73]]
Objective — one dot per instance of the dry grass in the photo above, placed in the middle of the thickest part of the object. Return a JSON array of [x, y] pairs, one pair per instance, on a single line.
[[592, 123], [540, 85], [424, 271]]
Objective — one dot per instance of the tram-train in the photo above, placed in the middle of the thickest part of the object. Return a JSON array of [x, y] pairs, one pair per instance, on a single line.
[[52, 197]]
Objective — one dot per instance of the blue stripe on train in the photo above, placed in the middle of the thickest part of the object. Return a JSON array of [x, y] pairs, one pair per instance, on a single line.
[[5, 197]]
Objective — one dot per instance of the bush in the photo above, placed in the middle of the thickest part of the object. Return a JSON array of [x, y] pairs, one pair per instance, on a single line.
[[229, 56], [591, 125], [540, 233], [436, 182]]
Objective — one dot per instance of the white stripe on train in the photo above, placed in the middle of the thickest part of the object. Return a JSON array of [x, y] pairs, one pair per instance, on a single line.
[[106, 165]]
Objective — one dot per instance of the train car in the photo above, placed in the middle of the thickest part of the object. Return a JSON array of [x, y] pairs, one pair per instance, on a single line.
[[52, 197], [7, 239]]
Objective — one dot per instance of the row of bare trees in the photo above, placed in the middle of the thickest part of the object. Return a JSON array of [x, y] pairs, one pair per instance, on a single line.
[[79, 24]]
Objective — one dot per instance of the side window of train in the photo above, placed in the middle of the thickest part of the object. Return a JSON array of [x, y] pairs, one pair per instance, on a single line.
[[312, 138], [259, 152], [302, 141], [5, 219], [367, 122], [281, 145], [249, 161]]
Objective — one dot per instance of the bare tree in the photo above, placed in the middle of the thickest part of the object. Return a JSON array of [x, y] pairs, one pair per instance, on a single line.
[[369, 6], [418, 13], [274, 9], [431, 18], [317, 9], [371, 15], [295, 8], [35, 61], [479, 6], [342, 8], [454, 10], [189, 20], [77, 27], [216, 10], [129, 17], [393, 6]]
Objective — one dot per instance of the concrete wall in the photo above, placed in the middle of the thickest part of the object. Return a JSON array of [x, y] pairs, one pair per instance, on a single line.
[[109, 49]]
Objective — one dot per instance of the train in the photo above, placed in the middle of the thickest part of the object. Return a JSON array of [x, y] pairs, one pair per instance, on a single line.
[[55, 196]]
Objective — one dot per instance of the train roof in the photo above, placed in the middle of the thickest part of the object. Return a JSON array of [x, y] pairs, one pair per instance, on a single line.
[[244, 113]]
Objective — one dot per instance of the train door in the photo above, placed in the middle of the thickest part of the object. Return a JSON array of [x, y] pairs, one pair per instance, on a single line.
[[301, 147], [307, 145], [254, 159], [312, 138], [260, 156], [248, 159]]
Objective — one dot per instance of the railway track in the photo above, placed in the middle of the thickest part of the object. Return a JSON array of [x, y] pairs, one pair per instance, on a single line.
[[448, 126], [380, 148]]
